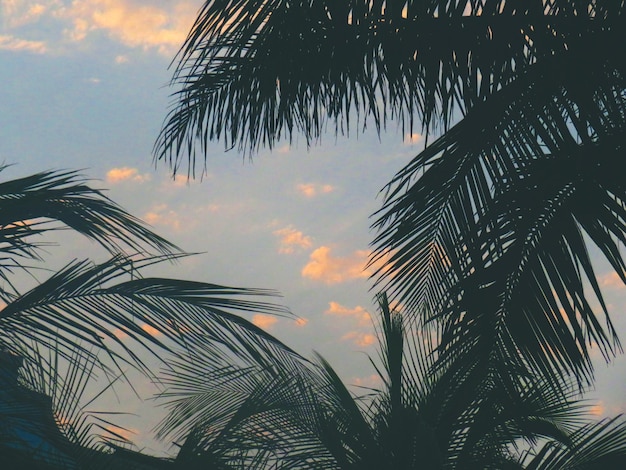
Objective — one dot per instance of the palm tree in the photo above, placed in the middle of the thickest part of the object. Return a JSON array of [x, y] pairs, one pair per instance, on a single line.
[[486, 232], [299, 414], [90, 318]]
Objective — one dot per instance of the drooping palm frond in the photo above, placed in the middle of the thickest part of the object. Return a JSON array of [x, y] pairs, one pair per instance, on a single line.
[[253, 71], [90, 307], [50, 200], [493, 218]]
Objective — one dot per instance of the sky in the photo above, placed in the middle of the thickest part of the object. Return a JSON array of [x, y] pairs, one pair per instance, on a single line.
[[85, 86]]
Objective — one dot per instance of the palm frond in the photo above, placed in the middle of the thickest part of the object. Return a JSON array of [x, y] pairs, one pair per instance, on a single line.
[[497, 225], [252, 72], [29, 204], [91, 308]]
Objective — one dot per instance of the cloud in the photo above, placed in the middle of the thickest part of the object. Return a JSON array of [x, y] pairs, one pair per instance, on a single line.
[[413, 138], [264, 321], [313, 189], [291, 239], [131, 22], [597, 409], [301, 322], [121, 59], [115, 175], [18, 12], [611, 280], [371, 381], [357, 313], [325, 267], [152, 331], [11, 43], [360, 338], [162, 215]]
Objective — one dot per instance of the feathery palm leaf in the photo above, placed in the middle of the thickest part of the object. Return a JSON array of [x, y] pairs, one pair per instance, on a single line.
[[507, 215], [254, 71]]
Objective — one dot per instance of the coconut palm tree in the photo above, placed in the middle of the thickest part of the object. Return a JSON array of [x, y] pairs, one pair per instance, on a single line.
[[486, 232], [91, 319], [299, 414]]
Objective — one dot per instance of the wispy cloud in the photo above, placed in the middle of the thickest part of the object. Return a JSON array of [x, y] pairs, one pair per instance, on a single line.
[[413, 138], [133, 23], [11, 43], [116, 175], [314, 189], [147, 24], [360, 338], [291, 239], [161, 214], [325, 267], [358, 313], [611, 280]]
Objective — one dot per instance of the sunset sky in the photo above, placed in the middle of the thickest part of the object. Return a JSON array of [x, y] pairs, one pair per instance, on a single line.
[[84, 86]]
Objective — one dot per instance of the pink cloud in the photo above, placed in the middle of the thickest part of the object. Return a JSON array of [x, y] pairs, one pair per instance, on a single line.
[[162, 215], [264, 321], [357, 313], [611, 280], [152, 331], [300, 322], [291, 239], [116, 175], [11, 43], [132, 23], [325, 267], [313, 189], [414, 138], [360, 338]]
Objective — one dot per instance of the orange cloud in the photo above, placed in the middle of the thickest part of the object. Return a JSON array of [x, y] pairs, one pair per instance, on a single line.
[[322, 266], [119, 334], [115, 175], [124, 433], [611, 280], [597, 409], [312, 189], [371, 381], [11, 43], [358, 313], [359, 338], [162, 215], [132, 23], [264, 321], [152, 331], [290, 239], [301, 322], [414, 138]]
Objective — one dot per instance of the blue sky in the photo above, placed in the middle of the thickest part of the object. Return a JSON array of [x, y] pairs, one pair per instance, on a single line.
[[84, 86]]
